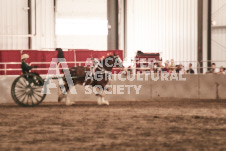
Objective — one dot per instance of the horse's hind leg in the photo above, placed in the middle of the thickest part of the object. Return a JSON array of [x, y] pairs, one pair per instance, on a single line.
[[62, 93]]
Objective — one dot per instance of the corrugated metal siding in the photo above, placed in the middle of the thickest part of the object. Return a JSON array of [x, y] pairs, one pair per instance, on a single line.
[[219, 33], [167, 26], [13, 21], [45, 25], [121, 24]]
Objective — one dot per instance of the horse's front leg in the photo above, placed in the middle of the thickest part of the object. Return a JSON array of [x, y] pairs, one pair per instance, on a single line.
[[101, 94], [102, 101], [105, 102], [64, 94]]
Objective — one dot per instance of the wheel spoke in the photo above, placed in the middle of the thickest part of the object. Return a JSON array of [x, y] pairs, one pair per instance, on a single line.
[[23, 84], [31, 99], [38, 91], [22, 91], [24, 99], [18, 90], [20, 84], [35, 98], [21, 95], [28, 99], [19, 87], [18, 93], [25, 81], [38, 94]]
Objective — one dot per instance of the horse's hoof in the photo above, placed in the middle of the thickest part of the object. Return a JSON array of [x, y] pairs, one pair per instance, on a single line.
[[61, 97], [107, 103], [70, 104]]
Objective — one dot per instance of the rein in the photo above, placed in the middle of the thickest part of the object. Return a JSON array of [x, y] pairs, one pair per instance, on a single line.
[[98, 65]]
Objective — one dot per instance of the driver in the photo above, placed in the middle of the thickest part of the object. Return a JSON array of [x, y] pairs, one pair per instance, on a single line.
[[24, 66]]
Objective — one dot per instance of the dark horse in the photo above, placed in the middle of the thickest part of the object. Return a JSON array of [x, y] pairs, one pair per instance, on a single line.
[[95, 76]]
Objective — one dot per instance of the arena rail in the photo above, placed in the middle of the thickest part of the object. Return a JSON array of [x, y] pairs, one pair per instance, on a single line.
[[79, 63], [5, 68]]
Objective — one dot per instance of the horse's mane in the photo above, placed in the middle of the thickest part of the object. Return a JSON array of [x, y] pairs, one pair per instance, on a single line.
[[102, 61], [110, 56]]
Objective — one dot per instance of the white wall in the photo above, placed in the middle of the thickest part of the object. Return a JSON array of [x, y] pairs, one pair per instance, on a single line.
[[83, 17], [45, 25], [219, 32], [121, 24], [13, 24], [167, 26]]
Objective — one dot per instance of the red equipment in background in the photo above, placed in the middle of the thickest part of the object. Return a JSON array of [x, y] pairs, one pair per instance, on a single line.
[[82, 55], [145, 59]]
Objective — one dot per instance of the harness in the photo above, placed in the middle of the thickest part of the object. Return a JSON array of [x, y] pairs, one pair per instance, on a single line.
[[98, 65]]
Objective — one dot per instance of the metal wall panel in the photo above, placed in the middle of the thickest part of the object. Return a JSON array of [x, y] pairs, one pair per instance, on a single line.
[[45, 25], [166, 26], [13, 24], [219, 32]]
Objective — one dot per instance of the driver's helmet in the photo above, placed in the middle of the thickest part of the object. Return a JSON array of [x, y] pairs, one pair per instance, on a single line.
[[24, 56]]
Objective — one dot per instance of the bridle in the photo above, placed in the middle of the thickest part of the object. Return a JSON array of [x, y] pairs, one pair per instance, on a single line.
[[98, 65]]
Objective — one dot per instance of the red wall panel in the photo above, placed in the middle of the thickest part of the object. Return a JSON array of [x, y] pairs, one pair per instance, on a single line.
[[10, 56], [69, 57], [46, 56], [81, 55]]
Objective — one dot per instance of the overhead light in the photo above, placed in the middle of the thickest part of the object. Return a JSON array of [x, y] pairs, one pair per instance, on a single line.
[[213, 23], [81, 27]]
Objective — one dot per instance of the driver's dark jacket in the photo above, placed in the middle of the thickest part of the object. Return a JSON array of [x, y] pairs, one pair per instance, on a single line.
[[25, 67]]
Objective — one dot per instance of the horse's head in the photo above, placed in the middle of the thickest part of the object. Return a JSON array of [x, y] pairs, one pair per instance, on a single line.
[[112, 61], [118, 61]]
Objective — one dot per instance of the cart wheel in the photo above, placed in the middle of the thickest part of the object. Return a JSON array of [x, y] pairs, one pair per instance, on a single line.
[[27, 90]]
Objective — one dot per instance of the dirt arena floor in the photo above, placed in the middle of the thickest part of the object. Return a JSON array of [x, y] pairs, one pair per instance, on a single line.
[[145, 125]]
